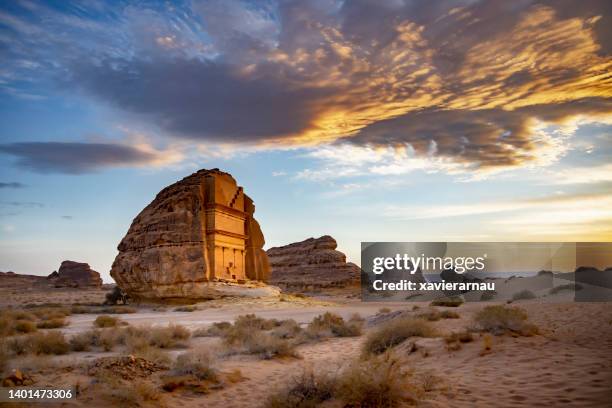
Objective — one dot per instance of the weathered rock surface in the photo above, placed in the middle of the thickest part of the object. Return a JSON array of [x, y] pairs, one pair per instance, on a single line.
[[75, 274], [197, 239], [313, 263]]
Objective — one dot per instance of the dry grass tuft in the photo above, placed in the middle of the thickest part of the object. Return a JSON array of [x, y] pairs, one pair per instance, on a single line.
[[332, 325], [188, 308], [54, 323], [38, 343], [117, 392], [455, 340], [216, 329], [261, 343], [449, 314], [106, 321], [500, 319], [198, 363], [376, 382], [25, 326], [306, 391], [395, 332]]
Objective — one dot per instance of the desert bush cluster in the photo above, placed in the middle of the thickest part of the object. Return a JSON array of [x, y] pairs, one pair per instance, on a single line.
[[378, 381], [434, 315], [395, 332], [269, 338], [501, 319], [22, 321], [106, 321]]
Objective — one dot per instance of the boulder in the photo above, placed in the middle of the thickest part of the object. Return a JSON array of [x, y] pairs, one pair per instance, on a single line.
[[311, 264], [75, 274], [197, 239]]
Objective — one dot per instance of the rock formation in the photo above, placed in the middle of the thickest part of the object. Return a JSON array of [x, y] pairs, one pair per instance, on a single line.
[[75, 274], [196, 239], [311, 264]]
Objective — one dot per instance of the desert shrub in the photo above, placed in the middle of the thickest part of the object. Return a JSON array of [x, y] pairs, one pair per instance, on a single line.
[[216, 329], [116, 310], [524, 294], [395, 332], [356, 317], [375, 382], [80, 309], [199, 363], [384, 310], [152, 354], [500, 319], [49, 313], [288, 329], [188, 308], [569, 287], [330, 324], [263, 344], [54, 323], [39, 343], [116, 392], [106, 321], [306, 391], [488, 295], [452, 301], [50, 343], [449, 314], [24, 326], [22, 315], [168, 337], [252, 322], [85, 340], [430, 315], [105, 339]]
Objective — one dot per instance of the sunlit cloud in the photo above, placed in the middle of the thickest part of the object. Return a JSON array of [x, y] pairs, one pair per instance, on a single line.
[[484, 82]]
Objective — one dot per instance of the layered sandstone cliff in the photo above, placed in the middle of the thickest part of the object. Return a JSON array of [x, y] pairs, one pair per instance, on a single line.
[[75, 274], [311, 264], [196, 239]]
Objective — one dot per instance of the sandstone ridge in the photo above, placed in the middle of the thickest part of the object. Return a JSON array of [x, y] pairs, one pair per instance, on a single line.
[[312, 264], [75, 274]]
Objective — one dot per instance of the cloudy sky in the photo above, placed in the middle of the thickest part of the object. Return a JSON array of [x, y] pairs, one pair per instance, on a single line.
[[367, 120]]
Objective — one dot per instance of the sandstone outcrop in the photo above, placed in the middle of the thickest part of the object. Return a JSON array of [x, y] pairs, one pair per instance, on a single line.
[[197, 239], [75, 274], [312, 264]]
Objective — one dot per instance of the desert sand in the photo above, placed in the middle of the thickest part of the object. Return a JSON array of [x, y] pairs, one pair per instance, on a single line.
[[567, 364]]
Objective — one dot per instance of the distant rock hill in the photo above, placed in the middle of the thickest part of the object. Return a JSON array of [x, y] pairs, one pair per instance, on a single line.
[[70, 275], [311, 264], [75, 274]]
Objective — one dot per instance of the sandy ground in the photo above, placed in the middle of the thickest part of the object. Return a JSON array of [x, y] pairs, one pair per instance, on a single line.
[[568, 364]]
